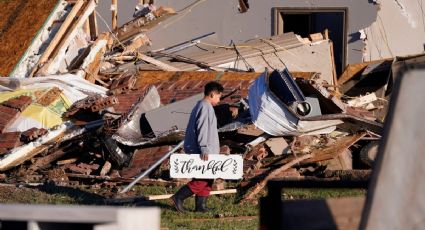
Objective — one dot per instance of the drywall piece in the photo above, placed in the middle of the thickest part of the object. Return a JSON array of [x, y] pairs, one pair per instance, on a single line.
[[278, 145], [172, 117], [397, 31]]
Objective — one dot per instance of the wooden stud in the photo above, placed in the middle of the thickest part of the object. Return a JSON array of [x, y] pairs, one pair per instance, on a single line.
[[114, 8], [70, 33], [93, 26], [167, 196], [58, 36], [273, 174]]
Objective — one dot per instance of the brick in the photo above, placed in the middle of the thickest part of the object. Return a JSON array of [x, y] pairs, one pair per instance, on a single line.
[[7, 115], [77, 169], [144, 158], [9, 144], [20, 103], [10, 136], [49, 96], [29, 135], [7, 110]]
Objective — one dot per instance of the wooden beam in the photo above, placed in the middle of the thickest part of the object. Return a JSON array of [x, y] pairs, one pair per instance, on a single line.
[[58, 36], [159, 64], [273, 174], [167, 196]]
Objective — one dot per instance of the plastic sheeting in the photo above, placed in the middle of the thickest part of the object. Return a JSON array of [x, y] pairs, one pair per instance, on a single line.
[[37, 115]]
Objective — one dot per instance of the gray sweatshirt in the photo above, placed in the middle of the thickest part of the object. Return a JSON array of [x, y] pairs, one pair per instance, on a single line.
[[201, 132]]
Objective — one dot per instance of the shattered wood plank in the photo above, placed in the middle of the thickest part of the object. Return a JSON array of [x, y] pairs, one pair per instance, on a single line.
[[105, 169], [43, 161], [167, 196], [343, 161], [354, 70], [137, 26], [260, 186], [58, 36], [91, 64], [135, 43], [160, 64], [336, 148], [334, 76], [67, 161]]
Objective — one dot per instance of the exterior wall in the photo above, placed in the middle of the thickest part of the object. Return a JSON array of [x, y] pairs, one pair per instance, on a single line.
[[399, 30], [200, 17]]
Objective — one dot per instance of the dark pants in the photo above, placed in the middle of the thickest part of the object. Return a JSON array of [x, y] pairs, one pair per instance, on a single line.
[[201, 187]]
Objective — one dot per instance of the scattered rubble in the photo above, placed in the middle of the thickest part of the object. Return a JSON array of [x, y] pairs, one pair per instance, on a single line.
[[103, 108]]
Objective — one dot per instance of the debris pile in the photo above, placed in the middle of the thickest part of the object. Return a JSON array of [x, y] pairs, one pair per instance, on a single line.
[[104, 108]]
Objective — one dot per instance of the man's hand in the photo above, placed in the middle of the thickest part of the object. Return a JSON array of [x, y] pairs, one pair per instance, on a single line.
[[204, 156]]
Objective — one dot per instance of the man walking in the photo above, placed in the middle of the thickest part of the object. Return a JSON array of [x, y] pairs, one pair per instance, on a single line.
[[201, 138]]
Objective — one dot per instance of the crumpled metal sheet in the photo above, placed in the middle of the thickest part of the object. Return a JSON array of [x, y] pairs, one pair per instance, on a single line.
[[129, 133], [272, 116], [267, 112]]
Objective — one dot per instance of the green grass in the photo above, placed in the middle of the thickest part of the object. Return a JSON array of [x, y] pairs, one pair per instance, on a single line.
[[226, 213]]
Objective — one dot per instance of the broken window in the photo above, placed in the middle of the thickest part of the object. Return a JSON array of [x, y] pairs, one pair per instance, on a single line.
[[309, 21]]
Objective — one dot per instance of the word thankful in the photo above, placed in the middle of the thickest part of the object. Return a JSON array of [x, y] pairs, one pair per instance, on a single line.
[[214, 166], [218, 166]]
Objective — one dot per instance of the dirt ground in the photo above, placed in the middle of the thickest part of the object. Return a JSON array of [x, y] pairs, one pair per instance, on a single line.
[[20, 21]]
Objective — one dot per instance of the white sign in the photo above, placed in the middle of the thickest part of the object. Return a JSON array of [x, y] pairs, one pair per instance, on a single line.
[[228, 167]]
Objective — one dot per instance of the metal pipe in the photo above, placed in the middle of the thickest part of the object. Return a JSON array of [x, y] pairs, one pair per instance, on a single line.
[[152, 167]]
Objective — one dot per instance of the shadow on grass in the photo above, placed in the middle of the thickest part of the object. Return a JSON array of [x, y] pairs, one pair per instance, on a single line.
[[88, 198]]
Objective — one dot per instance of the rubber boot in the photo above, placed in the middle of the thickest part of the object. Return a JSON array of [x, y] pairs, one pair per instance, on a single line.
[[178, 198], [201, 204]]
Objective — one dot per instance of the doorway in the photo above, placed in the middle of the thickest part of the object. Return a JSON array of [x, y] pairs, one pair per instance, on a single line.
[[308, 21]]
